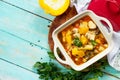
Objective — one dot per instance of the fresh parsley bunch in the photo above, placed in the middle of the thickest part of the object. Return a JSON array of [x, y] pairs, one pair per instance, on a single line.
[[50, 71]]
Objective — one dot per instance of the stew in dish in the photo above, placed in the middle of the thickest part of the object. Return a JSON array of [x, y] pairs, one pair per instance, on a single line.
[[82, 40]]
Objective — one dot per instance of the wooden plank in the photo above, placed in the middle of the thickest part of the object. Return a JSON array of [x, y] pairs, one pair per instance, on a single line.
[[31, 6], [21, 52], [12, 72], [112, 71], [24, 25], [107, 77]]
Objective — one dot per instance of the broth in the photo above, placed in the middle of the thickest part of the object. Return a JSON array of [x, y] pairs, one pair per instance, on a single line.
[[82, 40]]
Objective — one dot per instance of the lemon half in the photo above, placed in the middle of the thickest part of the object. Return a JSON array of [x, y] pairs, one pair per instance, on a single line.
[[54, 7]]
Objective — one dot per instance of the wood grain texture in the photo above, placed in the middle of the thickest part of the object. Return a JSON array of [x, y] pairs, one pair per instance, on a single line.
[[112, 71], [24, 38], [12, 72], [24, 25], [31, 6], [20, 52]]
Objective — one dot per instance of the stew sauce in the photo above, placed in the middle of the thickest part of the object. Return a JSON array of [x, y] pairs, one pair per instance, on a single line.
[[82, 40]]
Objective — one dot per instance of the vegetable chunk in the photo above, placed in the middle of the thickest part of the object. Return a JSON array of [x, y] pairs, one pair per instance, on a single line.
[[82, 40]]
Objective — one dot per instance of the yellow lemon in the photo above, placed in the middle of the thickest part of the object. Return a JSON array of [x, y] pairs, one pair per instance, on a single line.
[[54, 7]]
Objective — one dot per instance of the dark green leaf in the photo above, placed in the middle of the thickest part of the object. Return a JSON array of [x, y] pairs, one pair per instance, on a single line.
[[36, 65], [95, 78], [77, 42], [50, 71], [51, 55], [57, 78]]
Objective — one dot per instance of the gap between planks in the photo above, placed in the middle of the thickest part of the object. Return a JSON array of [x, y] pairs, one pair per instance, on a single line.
[[36, 73], [34, 43], [24, 40], [17, 65], [111, 75], [26, 10]]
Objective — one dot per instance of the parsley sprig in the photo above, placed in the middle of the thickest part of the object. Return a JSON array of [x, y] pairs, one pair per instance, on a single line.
[[77, 42], [50, 71]]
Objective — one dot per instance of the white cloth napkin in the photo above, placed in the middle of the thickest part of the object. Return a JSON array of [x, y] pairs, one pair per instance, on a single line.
[[114, 56], [80, 5]]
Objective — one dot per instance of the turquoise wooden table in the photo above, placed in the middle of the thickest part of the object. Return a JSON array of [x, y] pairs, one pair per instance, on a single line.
[[23, 40]]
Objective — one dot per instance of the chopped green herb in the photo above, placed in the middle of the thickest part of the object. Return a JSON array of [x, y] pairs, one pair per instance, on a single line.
[[50, 71], [94, 43], [77, 42], [51, 55]]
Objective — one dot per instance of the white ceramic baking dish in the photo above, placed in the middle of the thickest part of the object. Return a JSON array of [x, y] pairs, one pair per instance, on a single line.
[[106, 31]]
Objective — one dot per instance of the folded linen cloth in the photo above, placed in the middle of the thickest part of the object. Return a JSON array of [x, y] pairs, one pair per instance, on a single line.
[[114, 56], [80, 5]]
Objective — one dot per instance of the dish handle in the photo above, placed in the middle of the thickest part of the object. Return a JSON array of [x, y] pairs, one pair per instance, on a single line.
[[58, 57], [107, 26]]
